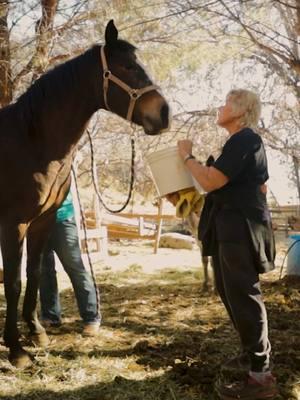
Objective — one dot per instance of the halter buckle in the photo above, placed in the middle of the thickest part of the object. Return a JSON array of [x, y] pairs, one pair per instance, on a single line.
[[134, 94], [106, 74]]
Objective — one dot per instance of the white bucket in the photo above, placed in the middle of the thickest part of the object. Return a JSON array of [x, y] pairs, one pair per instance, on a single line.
[[168, 171]]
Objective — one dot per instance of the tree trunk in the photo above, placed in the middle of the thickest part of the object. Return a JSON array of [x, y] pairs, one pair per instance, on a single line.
[[296, 171], [5, 65], [44, 31]]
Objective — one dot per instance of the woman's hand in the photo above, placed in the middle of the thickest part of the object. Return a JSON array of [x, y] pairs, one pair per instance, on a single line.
[[184, 147]]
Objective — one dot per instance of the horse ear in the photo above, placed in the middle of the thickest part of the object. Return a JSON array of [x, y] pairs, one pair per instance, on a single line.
[[111, 33]]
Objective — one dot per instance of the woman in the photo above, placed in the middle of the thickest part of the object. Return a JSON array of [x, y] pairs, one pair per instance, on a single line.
[[235, 229]]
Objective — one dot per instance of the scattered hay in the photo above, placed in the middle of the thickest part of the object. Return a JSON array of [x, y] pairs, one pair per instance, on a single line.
[[161, 339]]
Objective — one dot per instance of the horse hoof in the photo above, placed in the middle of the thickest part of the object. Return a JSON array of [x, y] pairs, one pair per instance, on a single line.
[[40, 339], [20, 359]]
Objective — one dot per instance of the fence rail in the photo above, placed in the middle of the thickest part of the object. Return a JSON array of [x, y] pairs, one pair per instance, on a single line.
[[286, 218], [141, 226]]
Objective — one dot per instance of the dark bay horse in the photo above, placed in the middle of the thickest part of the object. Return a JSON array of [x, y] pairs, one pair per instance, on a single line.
[[38, 137]]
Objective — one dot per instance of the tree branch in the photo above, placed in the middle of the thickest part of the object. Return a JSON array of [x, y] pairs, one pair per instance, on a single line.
[[293, 63], [5, 62]]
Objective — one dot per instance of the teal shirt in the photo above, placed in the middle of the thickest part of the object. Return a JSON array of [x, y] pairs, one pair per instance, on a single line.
[[66, 210]]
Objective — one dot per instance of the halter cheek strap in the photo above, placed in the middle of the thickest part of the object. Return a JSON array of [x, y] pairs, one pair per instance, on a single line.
[[134, 94]]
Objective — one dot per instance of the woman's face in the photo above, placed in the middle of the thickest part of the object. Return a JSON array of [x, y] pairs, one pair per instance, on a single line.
[[226, 115]]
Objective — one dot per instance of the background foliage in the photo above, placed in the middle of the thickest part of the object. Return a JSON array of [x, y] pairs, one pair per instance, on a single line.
[[197, 50]]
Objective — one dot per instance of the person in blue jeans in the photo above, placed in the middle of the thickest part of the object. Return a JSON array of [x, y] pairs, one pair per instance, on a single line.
[[64, 242]]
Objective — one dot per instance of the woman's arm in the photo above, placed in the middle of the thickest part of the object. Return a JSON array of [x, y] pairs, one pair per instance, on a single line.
[[209, 178]]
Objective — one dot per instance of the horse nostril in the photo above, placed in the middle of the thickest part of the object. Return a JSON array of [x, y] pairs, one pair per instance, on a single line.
[[164, 114]]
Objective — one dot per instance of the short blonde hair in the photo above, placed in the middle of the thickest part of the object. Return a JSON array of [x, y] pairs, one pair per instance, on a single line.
[[248, 103]]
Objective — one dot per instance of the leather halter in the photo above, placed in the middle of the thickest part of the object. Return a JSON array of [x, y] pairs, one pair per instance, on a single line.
[[134, 94]]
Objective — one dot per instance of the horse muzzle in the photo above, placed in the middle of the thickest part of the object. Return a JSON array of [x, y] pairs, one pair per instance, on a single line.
[[156, 120]]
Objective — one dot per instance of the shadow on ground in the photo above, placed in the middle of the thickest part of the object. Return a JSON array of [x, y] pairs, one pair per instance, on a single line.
[[170, 329]]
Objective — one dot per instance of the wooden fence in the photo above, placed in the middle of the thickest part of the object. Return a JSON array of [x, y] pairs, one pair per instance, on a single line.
[[131, 226], [139, 226], [286, 218], [102, 227]]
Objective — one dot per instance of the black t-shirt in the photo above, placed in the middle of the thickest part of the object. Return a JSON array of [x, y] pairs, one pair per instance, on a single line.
[[238, 211], [243, 160]]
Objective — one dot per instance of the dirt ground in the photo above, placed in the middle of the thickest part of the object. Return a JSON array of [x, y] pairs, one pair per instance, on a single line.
[[162, 337]]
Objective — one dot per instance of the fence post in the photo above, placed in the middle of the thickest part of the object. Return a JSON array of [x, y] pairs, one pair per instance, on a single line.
[[159, 225]]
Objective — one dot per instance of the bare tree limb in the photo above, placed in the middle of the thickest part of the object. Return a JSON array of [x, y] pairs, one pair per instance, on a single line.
[[44, 33], [5, 63], [293, 63]]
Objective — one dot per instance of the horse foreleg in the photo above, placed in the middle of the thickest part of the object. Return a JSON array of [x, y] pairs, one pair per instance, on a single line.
[[36, 238], [12, 238]]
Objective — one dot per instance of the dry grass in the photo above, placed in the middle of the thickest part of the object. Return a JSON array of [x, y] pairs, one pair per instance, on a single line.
[[161, 339]]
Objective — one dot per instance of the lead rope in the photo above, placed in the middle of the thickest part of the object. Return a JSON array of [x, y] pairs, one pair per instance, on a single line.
[[95, 180], [104, 205], [86, 243]]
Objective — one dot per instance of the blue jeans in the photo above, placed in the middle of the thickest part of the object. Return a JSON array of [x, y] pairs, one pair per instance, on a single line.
[[64, 242]]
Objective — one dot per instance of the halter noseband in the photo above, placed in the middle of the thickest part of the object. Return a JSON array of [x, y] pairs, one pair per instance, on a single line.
[[134, 94]]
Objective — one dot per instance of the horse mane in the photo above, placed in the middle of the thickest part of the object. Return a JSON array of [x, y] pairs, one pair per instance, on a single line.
[[52, 86]]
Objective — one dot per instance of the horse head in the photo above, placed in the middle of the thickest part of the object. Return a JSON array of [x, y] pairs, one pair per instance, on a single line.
[[127, 89]]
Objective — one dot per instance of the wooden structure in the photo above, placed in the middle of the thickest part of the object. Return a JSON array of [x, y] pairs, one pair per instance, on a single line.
[[93, 237], [96, 241], [102, 227], [136, 226], [285, 218]]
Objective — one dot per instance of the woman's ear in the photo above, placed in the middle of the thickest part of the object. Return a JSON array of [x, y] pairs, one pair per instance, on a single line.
[[111, 33]]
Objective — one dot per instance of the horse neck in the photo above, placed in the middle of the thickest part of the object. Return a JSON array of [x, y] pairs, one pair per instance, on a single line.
[[72, 93]]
